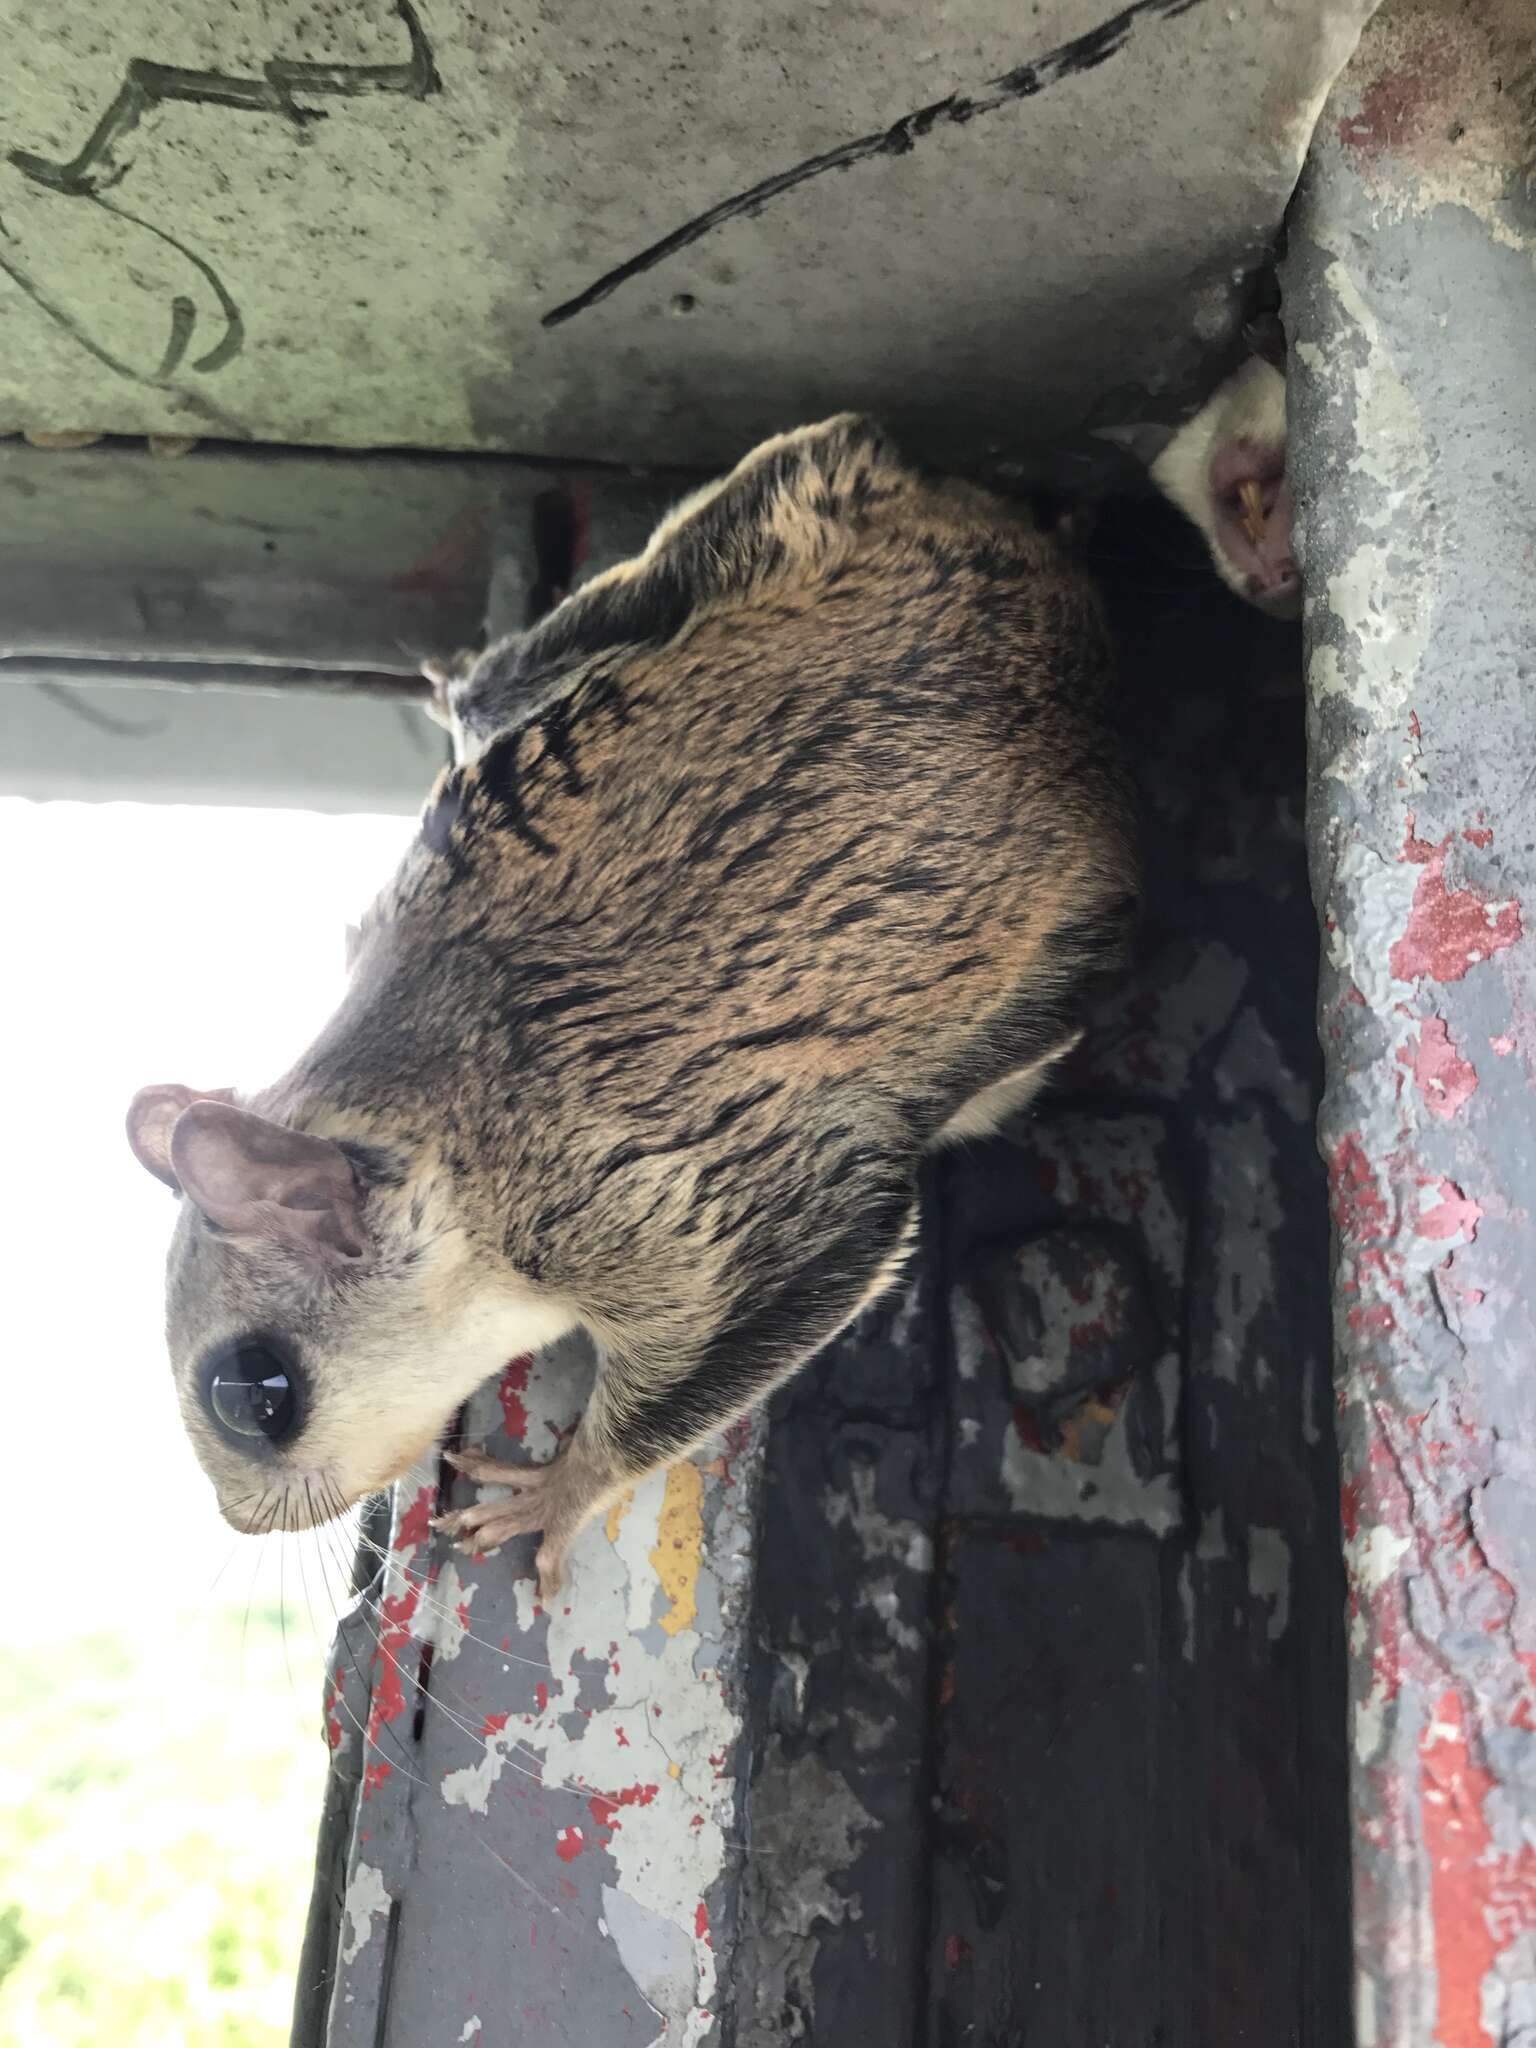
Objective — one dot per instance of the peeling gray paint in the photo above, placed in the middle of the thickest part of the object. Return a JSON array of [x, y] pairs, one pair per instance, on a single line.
[[806, 1835], [581, 1764], [1411, 300]]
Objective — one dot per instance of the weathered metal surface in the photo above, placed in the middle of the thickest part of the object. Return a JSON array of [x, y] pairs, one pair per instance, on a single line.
[[1050, 1612], [1067, 1325], [636, 233], [1411, 303], [835, 1914], [548, 1834]]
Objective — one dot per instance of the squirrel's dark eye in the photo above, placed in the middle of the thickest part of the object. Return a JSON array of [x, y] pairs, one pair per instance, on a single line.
[[251, 1391]]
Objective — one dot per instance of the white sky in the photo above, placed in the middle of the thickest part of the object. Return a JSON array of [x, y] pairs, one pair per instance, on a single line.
[[137, 943]]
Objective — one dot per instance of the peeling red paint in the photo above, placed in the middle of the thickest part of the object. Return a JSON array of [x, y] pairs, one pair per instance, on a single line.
[[1377, 1317], [1350, 1494], [604, 1808], [569, 1843], [416, 1523], [333, 1695], [493, 1725], [510, 1389], [1420, 851], [1448, 930], [1406, 105], [1358, 1207], [1481, 1897], [701, 1922], [374, 1776], [1443, 1078], [541, 1696], [394, 1637], [1453, 1214], [1478, 835]]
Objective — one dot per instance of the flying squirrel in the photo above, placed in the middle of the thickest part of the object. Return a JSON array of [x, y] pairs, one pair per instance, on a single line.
[[769, 861]]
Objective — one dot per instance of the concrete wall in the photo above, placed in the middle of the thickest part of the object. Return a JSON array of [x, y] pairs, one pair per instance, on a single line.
[[634, 232]]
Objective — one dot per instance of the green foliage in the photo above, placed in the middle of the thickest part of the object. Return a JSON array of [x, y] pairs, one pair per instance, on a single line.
[[158, 1800]]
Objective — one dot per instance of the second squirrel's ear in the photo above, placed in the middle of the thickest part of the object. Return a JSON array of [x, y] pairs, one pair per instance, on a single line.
[[1264, 337], [152, 1116]]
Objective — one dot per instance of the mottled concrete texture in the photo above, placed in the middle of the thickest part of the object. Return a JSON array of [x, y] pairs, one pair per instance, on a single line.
[[1411, 301], [352, 226]]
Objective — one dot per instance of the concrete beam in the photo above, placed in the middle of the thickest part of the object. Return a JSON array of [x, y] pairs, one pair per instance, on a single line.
[[634, 233], [1410, 294]]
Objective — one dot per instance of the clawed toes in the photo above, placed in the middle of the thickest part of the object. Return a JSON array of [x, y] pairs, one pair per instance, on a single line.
[[531, 1506], [550, 1566], [485, 1523], [475, 1464]]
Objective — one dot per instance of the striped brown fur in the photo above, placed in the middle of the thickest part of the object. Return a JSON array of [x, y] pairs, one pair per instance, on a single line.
[[770, 859]]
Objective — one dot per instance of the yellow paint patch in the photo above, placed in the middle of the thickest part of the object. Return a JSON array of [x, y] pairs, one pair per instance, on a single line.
[[617, 1512], [679, 1545], [674, 1770]]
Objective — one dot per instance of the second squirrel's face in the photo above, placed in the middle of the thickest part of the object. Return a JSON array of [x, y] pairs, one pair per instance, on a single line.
[[1226, 471]]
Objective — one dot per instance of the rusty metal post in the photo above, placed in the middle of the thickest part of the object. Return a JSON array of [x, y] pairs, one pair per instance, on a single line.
[[1410, 293]]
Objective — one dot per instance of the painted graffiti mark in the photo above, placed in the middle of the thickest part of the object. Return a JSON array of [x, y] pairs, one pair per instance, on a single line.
[[1068, 60], [182, 314], [96, 168], [148, 85]]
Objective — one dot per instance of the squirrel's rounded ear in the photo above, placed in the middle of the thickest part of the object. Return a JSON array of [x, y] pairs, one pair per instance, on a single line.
[[442, 671], [152, 1116], [262, 1181]]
